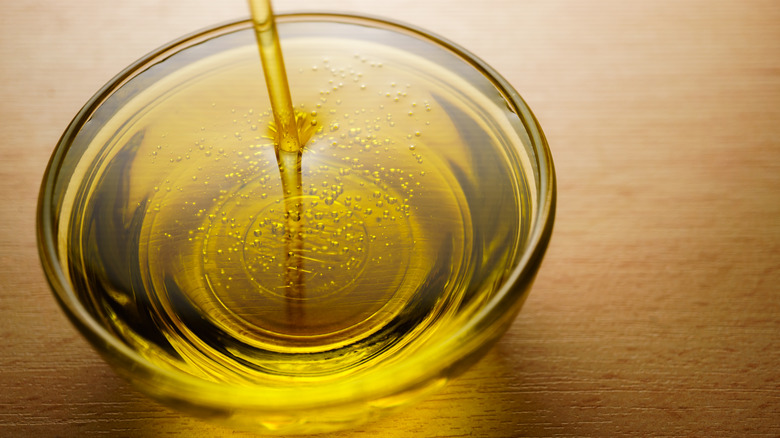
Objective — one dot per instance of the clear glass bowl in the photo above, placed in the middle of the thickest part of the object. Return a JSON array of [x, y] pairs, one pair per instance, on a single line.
[[113, 171]]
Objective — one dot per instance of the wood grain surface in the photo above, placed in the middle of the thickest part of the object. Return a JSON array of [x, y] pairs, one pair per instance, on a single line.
[[657, 309]]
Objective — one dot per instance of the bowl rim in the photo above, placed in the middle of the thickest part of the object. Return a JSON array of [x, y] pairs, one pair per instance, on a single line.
[[468, 340]]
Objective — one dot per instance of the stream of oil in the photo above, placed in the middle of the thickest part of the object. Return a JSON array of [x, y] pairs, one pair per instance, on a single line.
[[289, 149]]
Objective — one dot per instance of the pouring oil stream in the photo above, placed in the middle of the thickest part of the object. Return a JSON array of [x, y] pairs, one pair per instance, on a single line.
[[288, 149]]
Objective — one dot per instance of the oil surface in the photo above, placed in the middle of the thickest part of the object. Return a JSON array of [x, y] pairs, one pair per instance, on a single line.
[[409, 207]]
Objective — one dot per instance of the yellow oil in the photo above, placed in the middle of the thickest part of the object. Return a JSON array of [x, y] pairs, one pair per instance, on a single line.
[[275, 75], [410, 207], [287, 144]]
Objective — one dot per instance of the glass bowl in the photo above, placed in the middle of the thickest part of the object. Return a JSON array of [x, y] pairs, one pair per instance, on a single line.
[[429, 197]]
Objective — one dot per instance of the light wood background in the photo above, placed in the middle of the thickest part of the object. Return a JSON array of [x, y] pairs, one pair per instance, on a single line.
[[657, 310]]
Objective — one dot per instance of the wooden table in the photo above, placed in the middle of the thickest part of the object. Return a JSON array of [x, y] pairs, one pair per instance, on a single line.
[[657, 310]]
